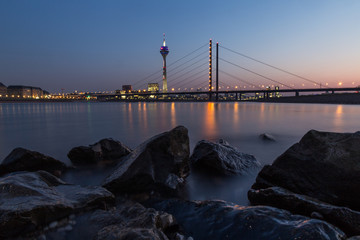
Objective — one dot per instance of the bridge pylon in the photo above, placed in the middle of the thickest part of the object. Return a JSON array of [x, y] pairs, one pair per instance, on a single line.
[[210, 68]]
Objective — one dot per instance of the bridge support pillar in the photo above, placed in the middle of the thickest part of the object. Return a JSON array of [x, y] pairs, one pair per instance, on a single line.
[[296, 94], [332, 92]]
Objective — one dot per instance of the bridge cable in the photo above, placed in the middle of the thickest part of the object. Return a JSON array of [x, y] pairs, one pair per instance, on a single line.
[[187, 67], [269, 65], [256, 73], [241, 80], [184, 81]]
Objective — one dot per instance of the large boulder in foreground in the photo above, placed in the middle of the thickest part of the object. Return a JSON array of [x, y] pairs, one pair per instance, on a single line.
[[21, 159], [223, 220], [105, 150], [128, 220], [30, 200], [159, 165], [323, 165], [222, 159], [344, 218]]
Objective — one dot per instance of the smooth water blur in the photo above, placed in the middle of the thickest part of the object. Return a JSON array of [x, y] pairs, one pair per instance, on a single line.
[[55, 128]]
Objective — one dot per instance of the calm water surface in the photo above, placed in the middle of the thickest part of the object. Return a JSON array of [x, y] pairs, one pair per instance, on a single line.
[[54, 128]]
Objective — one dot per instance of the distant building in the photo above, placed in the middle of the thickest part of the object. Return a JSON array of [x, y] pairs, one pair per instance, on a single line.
[[118, 91], [153, 87], [24, 91], [127, 88], [3, 90], [277, 94]]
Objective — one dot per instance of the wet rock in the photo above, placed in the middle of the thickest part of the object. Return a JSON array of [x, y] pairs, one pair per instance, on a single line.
[[31, 200], [120, 233], [222, 220], [21, 159], [354, 238], [128, 220], [344, 218], [317, 215], [132, 221], [323, 165], [267, 137], [105, 150], [222, 141], [159, 164], [222, 159]]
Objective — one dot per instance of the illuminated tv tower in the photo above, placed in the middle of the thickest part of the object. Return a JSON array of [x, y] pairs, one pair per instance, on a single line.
[[164, 50]]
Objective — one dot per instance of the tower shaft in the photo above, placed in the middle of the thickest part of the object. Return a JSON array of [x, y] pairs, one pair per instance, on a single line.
[[164, 75], [164, 50]]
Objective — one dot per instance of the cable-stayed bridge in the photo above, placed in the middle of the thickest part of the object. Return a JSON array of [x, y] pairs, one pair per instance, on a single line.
[[223, 74]]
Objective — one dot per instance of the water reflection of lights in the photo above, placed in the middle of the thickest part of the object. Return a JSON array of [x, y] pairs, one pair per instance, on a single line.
[[210, 120], [173, 114], [338, 118]]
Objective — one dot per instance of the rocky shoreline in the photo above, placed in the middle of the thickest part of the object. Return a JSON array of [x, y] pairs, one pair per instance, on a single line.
[[309, 192]]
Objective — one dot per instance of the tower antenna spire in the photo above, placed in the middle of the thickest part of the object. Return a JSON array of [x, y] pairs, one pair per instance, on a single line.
[[164, 44]]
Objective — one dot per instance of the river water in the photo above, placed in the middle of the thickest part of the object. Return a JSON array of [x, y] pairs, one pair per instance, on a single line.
[[55, 128]]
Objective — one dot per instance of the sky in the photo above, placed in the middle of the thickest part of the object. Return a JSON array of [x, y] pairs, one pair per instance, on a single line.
[[93, 45]]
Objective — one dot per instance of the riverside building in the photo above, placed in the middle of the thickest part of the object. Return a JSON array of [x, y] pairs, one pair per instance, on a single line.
[[3, 90], [24, 92]]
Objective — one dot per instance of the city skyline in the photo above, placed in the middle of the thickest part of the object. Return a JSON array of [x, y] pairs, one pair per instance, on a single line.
[[100, 46]]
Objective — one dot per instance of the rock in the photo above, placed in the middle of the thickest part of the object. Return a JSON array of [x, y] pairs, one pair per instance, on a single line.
[[223, 220], [222, 159], [105, 150], [68, 228], [344, 218], [267, 137], [132, 221], [30, 200], [53, 224], [159, 164], [128, 220], [317, 215], [222, 141], [354, 238], [21, 159], [119, 233], [323, 165]]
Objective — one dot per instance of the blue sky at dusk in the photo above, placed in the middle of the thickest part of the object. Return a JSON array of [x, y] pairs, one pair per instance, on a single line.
[[100, 45]]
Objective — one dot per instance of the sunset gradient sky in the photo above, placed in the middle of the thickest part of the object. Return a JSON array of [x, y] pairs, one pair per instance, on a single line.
[[93, 45]]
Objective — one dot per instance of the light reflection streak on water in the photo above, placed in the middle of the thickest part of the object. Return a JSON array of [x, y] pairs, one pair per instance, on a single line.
[[339, 115], [173, 115], [210, 121]]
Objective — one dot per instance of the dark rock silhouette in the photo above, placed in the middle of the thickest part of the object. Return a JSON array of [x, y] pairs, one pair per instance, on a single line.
[[223, 220], [105, 150], [222, 158], [323, 165], [267, 137], [128, 220], [21, 159], [30, 200], [346, 219], [160, 165]]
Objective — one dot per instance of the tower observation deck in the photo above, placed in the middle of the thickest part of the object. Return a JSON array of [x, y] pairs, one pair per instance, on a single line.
[[164, 50]]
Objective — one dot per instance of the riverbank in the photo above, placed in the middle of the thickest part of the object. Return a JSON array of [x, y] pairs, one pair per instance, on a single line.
[[337, 98]]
